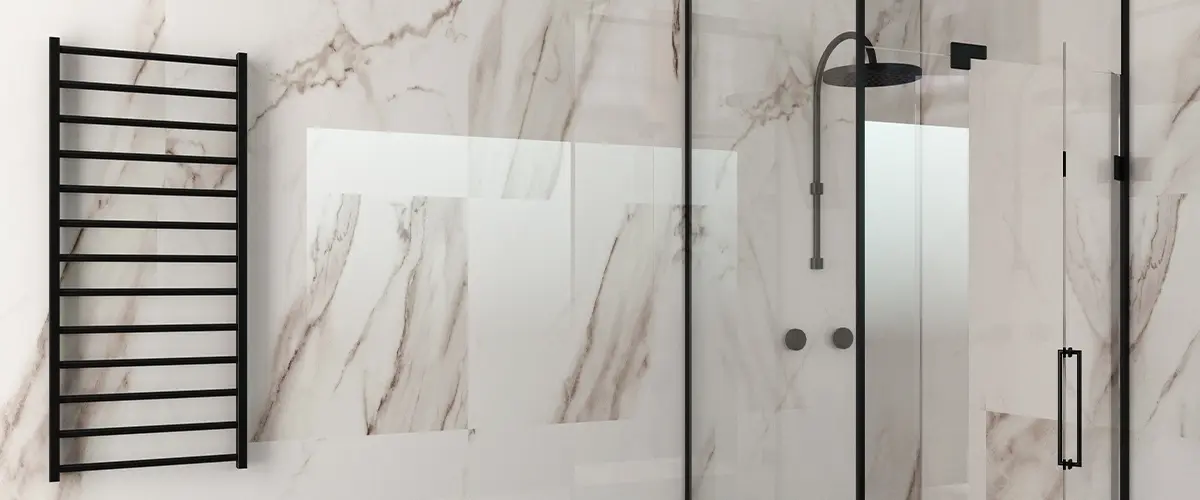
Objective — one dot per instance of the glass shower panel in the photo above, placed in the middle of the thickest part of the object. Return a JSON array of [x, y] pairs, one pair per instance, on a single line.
[[1089, 280], [915, 206], [1016, 286], [773, 397]]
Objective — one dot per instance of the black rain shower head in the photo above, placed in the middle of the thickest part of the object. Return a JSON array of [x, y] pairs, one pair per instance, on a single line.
[[877, 74]]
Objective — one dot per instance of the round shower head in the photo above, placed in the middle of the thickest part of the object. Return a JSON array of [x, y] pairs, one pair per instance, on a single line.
[[876, 75]]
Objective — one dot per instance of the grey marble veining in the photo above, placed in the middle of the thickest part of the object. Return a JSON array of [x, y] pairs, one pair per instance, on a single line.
[[615, 355], [1022, 458], [391, 330]]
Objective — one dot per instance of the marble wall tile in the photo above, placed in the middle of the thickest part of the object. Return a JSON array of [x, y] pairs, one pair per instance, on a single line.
[[387, 317], [1163, 104], [618, 290], [1164, 374], [586, 460], [629, 87], [1022, 457], [519, 169], [948, 492], [521, 80], [424, 465], [1026, 31], [1162, 233], [1160, 464], [521, 305]]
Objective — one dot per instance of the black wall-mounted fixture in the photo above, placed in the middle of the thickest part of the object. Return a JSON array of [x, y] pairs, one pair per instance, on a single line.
[[874, 74], [961, 54], [795, 339], [1124, 264], [842, 338], [58, 257]]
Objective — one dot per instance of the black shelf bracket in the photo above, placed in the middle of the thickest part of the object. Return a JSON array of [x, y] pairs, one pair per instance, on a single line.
[[57, 258]]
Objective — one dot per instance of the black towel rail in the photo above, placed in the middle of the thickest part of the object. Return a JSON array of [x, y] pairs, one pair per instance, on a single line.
[[57, 292]]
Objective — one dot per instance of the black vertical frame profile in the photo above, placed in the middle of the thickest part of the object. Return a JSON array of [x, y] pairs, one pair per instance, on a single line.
[[687, 248], [1124, 175], [243, 255], [860, 347], [56, 259], [52, 321]]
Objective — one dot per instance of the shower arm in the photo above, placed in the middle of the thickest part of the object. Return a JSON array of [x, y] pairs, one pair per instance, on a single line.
[[816, 188]]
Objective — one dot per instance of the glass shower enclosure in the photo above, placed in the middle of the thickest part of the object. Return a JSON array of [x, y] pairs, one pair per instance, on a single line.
[[889, 260]]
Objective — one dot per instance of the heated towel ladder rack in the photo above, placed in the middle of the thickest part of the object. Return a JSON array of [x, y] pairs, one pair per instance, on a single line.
[[57, 258]]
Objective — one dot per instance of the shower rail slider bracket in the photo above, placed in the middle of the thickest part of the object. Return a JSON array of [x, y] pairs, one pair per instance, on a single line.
[[59, 260]]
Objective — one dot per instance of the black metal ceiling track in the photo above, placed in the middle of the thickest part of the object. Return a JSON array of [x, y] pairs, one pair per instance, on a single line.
[[57, 257]]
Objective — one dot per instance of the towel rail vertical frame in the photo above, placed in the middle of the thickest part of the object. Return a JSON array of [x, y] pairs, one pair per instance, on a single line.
[[242, 259], [53, 246]]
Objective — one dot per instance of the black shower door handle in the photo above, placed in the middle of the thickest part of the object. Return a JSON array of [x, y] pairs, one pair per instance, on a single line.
[[1063, 355]]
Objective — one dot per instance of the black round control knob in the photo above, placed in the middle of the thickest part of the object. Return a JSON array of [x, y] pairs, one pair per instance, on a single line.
[[843, 338], [795, 339]]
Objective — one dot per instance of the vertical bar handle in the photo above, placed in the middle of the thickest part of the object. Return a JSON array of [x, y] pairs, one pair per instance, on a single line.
[[1063, 355]]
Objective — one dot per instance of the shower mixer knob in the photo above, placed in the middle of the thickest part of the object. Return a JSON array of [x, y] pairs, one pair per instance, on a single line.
[[843, 338], [795, 339]]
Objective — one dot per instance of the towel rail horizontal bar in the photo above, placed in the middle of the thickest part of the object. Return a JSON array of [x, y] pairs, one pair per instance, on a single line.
[[79, 364], [146, 157], [146, 224], [153, 462], [146, 292], [147, 89], [145, 429], [164, 328], [147, 191], [160, 258], [146, 56], [146, 123], [146, 396]]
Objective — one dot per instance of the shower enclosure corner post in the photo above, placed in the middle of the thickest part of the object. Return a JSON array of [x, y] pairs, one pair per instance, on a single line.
[[686, 28], [1124, 260], [860, 378]]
